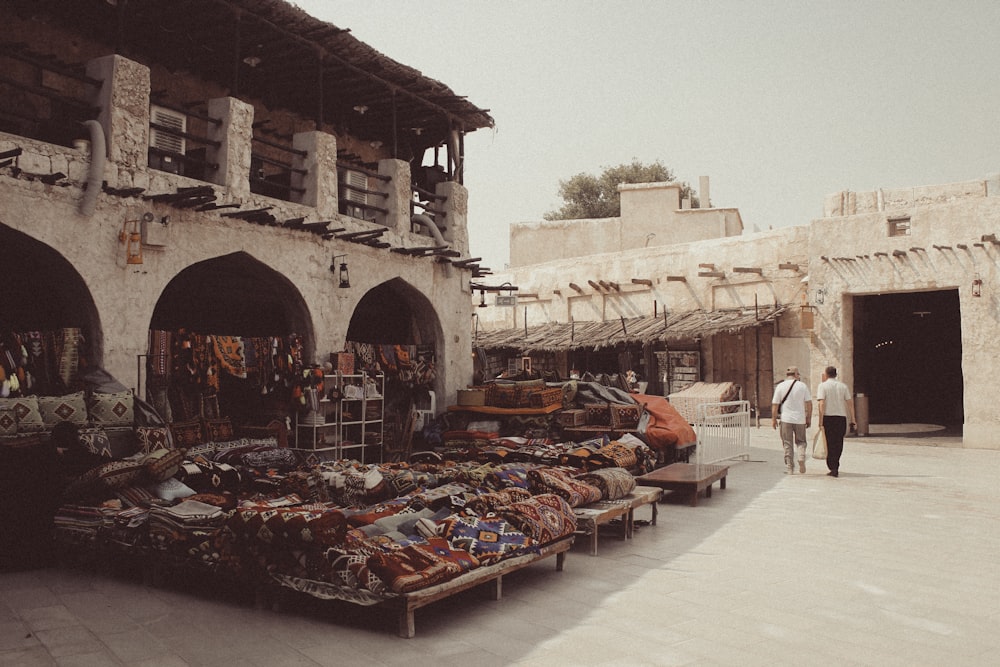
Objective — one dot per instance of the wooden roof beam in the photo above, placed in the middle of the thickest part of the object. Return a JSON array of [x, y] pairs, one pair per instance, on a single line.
[[676, 279], [642, 281], [748, 269], [575, 287], [789, 266]]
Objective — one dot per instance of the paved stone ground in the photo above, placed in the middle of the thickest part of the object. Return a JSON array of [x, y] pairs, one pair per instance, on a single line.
[[893, 563]]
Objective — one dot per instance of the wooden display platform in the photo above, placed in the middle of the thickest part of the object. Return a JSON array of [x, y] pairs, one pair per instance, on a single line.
[[590, 517], [408, 603], [688, 477]]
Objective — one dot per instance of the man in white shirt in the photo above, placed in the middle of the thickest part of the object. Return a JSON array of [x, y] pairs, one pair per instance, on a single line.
[[793, 402], [835, 406]]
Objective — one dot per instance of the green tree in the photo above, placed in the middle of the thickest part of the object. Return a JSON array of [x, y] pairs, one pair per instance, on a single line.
[[589, 196]]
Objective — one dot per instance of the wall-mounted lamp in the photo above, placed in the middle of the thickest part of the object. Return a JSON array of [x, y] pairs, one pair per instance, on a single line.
[[977, 286], [482, 298], [361, 109], [132, 238], [341, 271]]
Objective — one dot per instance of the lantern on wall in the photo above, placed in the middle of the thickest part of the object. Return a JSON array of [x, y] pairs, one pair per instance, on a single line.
[[977, 286], [131, 237], [343, 277]]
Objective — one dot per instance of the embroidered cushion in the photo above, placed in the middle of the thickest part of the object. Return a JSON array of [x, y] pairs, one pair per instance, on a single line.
[[364, 487], [598, 414], [8, 419], [614, 483], [625, 416], [544, 518], [494, 502], [162, 464], [152, 438], [575, 492], [412, 568], [503, 395], [111, 409], [209, 477], [614, 454], [440, 547], [187, 433], [508, 478], [95, 440], [69, 408], [307, 525], [26, 413], [487, 540], [217, 430], [119, 474]]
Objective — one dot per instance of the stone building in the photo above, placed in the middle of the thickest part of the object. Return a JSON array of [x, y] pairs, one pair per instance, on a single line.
[[897, 288], [229, 167]]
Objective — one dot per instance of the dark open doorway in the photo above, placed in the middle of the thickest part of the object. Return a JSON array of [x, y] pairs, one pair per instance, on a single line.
[[908, 357]]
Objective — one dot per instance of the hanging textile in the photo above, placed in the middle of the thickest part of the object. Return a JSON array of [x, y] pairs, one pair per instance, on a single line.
[[230, 355]]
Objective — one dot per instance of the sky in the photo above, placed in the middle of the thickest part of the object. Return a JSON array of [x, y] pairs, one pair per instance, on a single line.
[[779, 103]]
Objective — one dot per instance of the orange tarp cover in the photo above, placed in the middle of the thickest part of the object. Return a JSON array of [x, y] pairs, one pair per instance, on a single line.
[[667, 428]]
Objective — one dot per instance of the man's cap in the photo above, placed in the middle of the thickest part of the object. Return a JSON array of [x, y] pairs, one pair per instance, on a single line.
[[792, 370]]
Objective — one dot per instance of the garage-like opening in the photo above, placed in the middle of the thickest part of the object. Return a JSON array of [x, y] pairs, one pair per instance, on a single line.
[[908, 357], [263, 320], [45, 296]]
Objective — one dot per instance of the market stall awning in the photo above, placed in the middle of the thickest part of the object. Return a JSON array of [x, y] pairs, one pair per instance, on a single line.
[[561, 336]]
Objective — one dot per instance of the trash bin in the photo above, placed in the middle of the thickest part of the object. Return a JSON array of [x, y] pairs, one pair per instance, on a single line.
[[861, 413]]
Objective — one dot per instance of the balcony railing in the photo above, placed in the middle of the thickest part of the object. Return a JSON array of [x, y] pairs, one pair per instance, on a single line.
[[271, 176]]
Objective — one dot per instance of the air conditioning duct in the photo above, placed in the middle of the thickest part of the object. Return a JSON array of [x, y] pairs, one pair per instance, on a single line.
[[163, 140], [354, 194]]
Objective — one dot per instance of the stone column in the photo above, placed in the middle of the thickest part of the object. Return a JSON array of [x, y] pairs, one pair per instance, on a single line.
[[455, 221], [234, 135], [399, 191], [320, 180], [124, 102]]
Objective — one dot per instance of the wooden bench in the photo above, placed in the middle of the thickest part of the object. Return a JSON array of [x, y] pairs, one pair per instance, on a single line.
[[407, 603], [642, 495], [691, 478], [591, 517]]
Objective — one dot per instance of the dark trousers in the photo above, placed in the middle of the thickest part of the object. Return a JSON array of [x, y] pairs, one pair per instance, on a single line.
[[835, 428]]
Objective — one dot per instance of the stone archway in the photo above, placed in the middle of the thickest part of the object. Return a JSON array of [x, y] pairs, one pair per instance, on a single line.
[[234, 295], [42, 291], [396, 313]]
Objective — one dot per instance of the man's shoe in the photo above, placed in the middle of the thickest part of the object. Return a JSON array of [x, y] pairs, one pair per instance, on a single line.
[[789, 471], [802, 467], [833, 473]]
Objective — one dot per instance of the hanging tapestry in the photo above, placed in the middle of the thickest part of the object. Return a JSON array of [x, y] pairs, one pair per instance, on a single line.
[[230, 355]]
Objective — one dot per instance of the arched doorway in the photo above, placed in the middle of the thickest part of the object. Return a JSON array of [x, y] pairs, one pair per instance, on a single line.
[[237, 297], [43, 292], [396, 318]]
